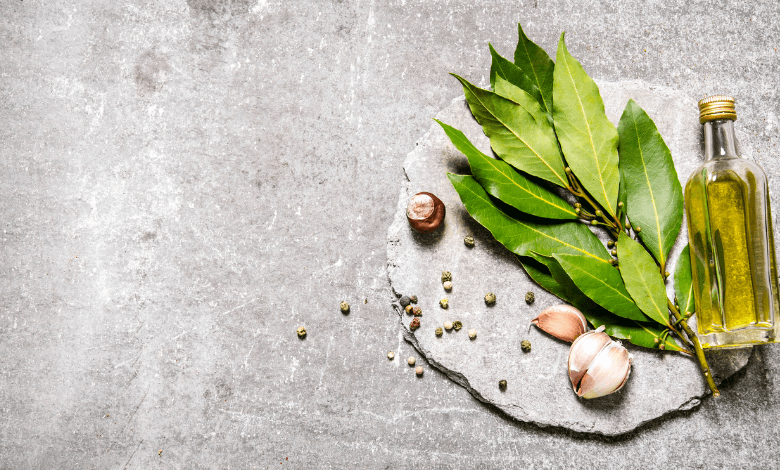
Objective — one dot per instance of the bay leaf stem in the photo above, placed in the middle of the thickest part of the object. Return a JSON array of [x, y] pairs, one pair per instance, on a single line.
[[705, 368]]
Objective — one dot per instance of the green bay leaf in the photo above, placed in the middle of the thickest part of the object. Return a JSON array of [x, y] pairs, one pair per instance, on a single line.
[[642, 278], [653, 193], [601, 282], [523, 236], [503, 68], [518, 137], [588, 140], [537, 65], [540, 274], [683, 284], [502, 181], [638, 333]]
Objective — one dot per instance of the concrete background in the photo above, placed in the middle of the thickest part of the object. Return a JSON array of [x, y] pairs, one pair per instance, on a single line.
[[184, 183]]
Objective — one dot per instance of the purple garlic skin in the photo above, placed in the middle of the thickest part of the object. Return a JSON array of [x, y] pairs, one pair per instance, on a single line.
[[562, 321], [598, 365]]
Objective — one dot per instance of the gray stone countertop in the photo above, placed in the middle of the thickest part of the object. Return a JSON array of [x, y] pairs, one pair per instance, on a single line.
[[184, 183]]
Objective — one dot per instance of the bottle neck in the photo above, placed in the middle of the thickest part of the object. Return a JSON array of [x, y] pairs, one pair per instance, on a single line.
[[719, 141]]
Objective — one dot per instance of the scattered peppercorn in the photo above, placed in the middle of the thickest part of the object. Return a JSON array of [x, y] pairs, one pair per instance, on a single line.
[[613, 252], [446, 276], [417, 311], [610, 244], [529, 298], [414, 324], [413, 299], [638, 229], [502, 384], [444, 303], [408, 309], [411, 360], [490, 298], [404, 301], [525, 345], [448, 325], [439, 331], [344, 307], [419, 371], [469, 241], [472, 334], [447, 286], [457, 325], [301, 332], [391, 355]]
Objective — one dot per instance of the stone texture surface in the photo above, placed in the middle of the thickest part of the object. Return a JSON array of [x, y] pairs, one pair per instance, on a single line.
[[540, 390], [184, 183]]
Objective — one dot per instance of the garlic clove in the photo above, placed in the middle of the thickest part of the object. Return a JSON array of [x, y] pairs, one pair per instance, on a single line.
[[562, 321], [583, 352], [607, 373]]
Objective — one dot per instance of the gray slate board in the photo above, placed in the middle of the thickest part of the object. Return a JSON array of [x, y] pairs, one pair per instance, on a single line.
[[538, 386]]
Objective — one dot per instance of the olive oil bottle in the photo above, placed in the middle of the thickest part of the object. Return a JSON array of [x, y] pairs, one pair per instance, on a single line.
[[734, 272]]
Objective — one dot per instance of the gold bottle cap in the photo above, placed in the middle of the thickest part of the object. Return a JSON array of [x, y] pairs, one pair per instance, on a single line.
[[717, 107]]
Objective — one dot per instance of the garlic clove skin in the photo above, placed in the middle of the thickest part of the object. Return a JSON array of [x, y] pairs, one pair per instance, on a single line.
[[598, 366], [608, 372], [582, 353], [562, 321]]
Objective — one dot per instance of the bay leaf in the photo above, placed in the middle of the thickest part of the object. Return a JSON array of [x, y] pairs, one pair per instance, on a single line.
[[601, 282], [537, 65], [503, 68], [502, 181], [653, 193], [519, 138], [642, 278], [539, 273], [683, 284], [523, 236], [588, 140], [638, 333]]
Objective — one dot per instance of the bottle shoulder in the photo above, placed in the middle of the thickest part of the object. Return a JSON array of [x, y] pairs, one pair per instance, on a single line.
[[729, 167]]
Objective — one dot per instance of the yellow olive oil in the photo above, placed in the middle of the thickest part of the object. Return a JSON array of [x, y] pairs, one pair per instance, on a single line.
[[733, 264]]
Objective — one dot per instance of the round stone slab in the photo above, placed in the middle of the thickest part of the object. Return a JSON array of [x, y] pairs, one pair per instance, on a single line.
[[538, 388]]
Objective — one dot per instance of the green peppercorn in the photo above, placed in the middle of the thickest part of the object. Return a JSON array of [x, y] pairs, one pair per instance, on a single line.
[[502, 385], [446, 276], [529, 298], [404, 301], [628, 225], [444, 303], [413, 299], [490, 298], [525, 345], [613, 252], [469, 241], [638, 229], [439, 331], [457, 325], [610, 244], [301, 332], [344, 307]]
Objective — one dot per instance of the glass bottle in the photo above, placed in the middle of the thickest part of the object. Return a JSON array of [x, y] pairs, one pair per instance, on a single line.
[[732, 250]]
